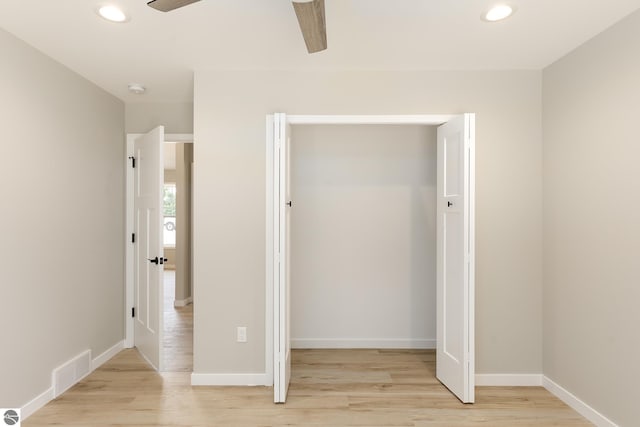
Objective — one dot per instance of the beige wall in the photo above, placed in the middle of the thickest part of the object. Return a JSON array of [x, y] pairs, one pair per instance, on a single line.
[[363, 236], [62, 219], [184, 159], [144, 116], [170, 255], [170, 176], [229, 281], [592, 221]]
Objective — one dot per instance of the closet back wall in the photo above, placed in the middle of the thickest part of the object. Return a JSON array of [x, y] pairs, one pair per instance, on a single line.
[[363, 236]]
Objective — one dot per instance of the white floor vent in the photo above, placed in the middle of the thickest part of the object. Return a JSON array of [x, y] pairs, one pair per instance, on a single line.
[[71, 372]]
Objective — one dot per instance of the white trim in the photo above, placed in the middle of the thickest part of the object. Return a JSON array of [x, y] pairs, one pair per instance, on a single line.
[[344, 343], [416, 119], [128, 250], [578, 405], [249, 380], [182, 302], [540, 380], [107, 355], [269, 264], [37, 403], [49, 394], [281, 367], [129, 226], [509, 380], [272, 209], [471, 252], [171, 138]]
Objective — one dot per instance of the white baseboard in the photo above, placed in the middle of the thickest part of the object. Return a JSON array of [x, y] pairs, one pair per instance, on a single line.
[[182, 302], [509, 380], [578, 405], [38, 402], [67, 375], [108, 354], [505, 380], [231, 379], [318, 343]]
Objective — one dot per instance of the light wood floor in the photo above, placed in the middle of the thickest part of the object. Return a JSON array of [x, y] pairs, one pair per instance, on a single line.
[[178, 330], [328, 388]]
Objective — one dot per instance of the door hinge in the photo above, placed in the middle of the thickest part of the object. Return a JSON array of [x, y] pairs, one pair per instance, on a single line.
[[133, 312], [133, 161], [133, 237]]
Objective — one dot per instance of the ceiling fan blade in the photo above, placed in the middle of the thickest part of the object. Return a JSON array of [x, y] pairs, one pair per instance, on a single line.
[[312, 24], [167, 5]]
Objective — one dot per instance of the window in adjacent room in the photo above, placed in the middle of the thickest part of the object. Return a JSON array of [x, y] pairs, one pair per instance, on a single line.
[[169, 211]]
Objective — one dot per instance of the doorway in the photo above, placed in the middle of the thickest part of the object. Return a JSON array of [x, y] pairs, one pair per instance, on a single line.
[[454, 267], [178, 296], [166, 299]]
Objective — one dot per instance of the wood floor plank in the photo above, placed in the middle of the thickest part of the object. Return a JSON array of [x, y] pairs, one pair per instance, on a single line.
[[329, 388]]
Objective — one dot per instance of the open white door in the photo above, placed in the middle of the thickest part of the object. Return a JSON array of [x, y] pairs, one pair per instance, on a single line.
[[455, 261], [149, 255], [282, 199]]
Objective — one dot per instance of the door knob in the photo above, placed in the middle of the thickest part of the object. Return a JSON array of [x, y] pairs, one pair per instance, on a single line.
[[449, 204], [154, 261], [289, 203]]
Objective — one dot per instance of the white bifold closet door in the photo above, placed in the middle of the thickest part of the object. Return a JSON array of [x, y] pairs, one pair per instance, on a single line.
[[454, 354], [455, 260], [282, 300]]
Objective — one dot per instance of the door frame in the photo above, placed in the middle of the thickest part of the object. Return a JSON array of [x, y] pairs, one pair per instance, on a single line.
[[272, 164], [129, 227]]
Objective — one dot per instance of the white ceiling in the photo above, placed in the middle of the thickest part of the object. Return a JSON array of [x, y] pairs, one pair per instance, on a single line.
[[161, 50]]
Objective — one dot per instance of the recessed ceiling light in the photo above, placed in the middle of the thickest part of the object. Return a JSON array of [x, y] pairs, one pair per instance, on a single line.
[[498, 13], [112, 13], [137, 88]]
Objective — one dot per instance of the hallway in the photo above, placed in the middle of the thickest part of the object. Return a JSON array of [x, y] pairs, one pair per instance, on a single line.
[[178, 330]]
